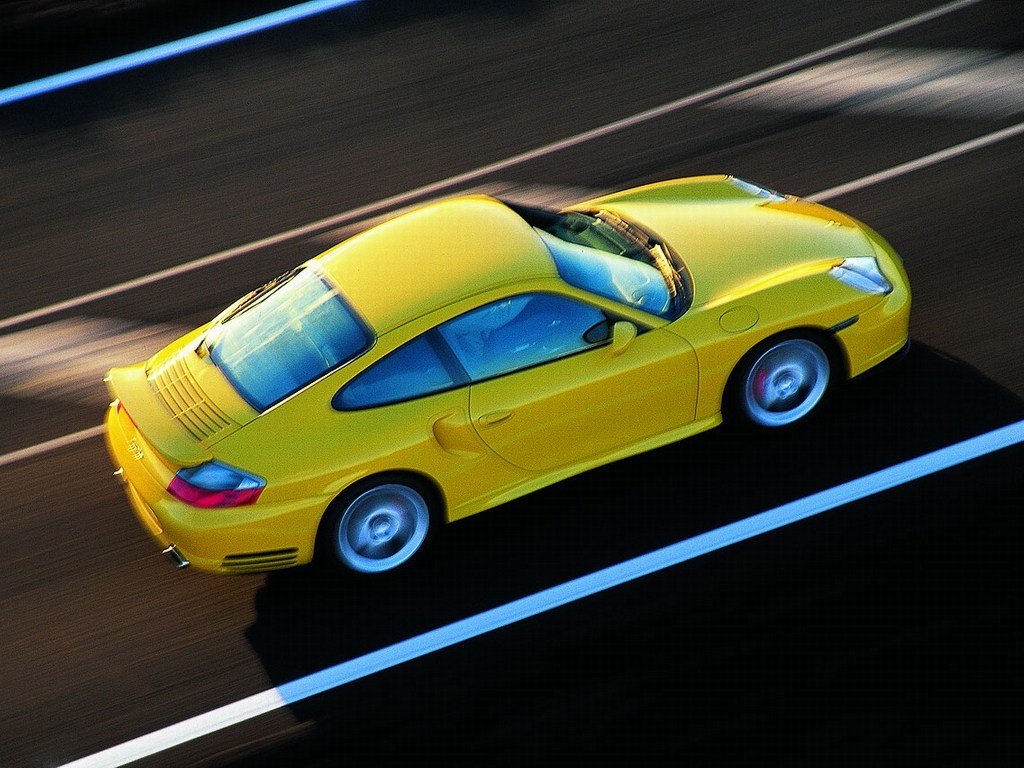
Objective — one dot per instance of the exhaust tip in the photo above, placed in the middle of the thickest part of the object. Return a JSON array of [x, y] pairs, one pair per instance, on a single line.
[[175, 556]]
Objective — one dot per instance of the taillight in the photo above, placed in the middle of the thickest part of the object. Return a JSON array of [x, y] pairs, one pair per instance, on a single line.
[[214, 484]]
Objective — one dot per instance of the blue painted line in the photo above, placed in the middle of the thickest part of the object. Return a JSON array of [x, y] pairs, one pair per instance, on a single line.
[[570, 591], [169, 50]]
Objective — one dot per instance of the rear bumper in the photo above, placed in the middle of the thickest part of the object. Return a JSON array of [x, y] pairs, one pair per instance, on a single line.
[[237, 540]]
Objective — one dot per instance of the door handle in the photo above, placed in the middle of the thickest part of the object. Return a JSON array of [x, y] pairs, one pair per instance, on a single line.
[[494, 417]]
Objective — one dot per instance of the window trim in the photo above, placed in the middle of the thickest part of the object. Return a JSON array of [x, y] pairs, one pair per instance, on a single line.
[[447, 355]]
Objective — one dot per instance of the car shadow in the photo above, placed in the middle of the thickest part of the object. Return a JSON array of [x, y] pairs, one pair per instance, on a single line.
[[926, 401]]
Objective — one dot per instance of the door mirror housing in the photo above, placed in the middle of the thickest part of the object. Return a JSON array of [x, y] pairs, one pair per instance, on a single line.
[[599, 332], [623, 333]]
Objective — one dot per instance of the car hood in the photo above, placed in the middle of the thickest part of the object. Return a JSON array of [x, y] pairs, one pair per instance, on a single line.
[[734, 241]]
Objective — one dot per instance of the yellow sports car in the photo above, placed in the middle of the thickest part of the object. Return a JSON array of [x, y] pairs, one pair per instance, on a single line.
[[473, 350]]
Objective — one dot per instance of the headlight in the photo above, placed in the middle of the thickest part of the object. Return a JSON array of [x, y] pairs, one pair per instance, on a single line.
[[863, 274]]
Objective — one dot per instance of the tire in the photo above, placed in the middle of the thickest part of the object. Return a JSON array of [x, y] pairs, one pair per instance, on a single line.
[[377, 526], [781, 381]]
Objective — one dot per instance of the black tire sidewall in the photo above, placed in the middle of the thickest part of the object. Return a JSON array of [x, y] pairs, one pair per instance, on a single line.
[[734, 407], [325, 553]]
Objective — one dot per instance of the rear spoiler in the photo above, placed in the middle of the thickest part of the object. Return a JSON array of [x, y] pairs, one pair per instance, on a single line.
[[154, 421]]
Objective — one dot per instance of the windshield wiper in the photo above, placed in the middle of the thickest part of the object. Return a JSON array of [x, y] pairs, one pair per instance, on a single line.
[[257, 295], [655, 249], [250, 299]]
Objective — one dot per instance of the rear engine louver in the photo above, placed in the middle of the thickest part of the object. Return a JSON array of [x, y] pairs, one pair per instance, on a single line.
[[177, 388]]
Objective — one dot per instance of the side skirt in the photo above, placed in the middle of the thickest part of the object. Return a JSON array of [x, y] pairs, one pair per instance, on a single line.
[[536, 482]]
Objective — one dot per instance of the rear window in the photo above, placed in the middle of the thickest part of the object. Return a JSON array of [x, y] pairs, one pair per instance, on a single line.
[[284, 336]]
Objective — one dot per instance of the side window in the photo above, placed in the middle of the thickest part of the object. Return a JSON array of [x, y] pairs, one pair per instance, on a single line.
[[412, 370], [520, 332]]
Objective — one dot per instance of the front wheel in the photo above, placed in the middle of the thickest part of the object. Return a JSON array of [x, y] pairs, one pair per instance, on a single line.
[[783, 382], [380, 527]]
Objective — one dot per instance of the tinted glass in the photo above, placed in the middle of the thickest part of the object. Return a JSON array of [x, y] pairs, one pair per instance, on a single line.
[[628, 281], [410, 371], [286, 337], [518, 332]]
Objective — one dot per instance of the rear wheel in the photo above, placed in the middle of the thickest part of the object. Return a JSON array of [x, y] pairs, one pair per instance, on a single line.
[[378, 527], [782, 381]]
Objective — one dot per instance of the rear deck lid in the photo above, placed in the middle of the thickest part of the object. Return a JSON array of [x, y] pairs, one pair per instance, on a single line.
[[166, 433], [181, 403]]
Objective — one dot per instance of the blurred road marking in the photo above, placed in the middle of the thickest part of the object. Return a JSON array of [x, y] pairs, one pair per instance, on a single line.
[[168, 50], [66, 360], [921, 162], [842, 189], [554, 597], [187, 730], [51, 445], [959, 83], [446, 185]]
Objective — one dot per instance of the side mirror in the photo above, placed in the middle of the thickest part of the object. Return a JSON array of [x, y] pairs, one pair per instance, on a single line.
[[623, 333]]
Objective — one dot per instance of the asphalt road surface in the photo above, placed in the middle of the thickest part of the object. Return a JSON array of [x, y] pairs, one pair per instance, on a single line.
[[884, 629]]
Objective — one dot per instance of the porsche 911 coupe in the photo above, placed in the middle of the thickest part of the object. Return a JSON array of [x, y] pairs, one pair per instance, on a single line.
[[473, 350]]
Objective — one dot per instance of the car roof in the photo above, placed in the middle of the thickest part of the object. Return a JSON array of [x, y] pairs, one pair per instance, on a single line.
[[435, 255]]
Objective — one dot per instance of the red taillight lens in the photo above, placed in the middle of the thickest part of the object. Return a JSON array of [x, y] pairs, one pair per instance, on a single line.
[[214, 484]]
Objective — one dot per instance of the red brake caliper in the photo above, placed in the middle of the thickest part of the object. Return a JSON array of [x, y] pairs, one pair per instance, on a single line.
[[761, 383]]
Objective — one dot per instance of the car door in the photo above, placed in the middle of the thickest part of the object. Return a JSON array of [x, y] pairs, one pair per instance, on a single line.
[[549, 388], [409, 410]]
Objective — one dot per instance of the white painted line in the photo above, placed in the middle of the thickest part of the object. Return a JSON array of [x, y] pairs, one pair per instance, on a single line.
[[446, 185], [971, 83], [187, 730], [922, 162], [168, 50], [555, 597], [51, 445], [842, 189]]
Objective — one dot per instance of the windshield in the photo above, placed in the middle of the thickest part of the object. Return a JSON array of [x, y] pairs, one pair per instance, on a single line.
[[631, 282], [603, 254], [285, 335]]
